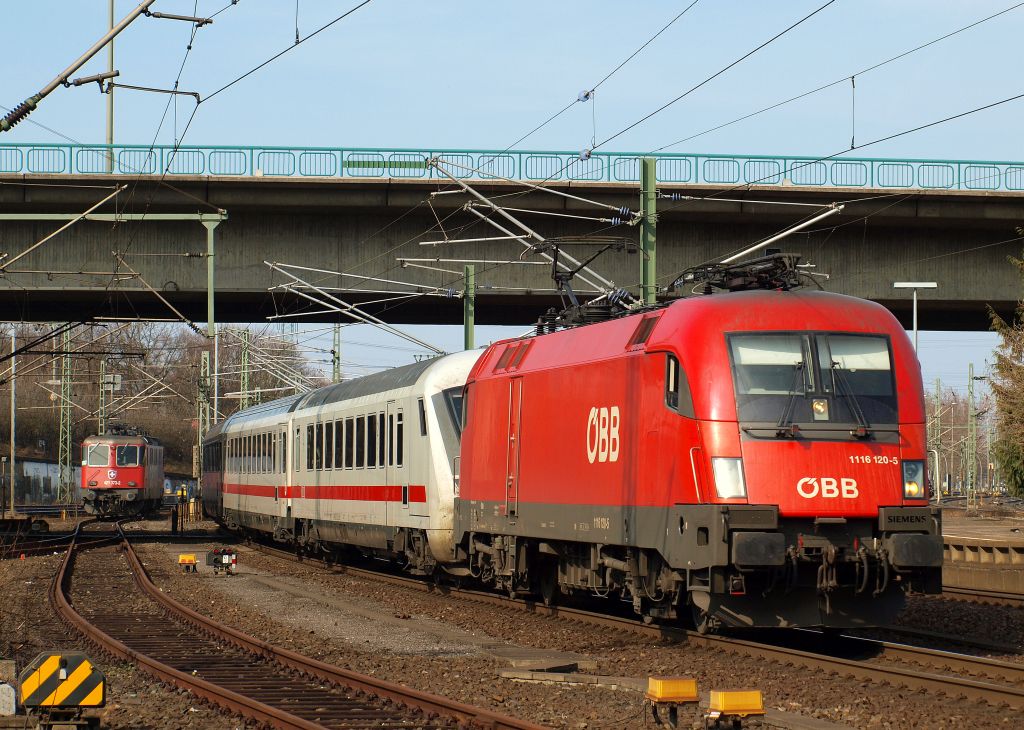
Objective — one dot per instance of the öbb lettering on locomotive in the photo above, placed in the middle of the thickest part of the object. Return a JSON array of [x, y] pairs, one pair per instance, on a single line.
[[603, 434], [752, 459]]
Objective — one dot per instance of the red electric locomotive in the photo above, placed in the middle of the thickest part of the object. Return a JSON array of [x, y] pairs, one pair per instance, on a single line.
[[122, 473], [755, 458]]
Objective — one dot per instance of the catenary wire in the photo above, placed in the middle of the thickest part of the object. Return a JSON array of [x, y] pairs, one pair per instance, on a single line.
[[715, 75], [842, 79]]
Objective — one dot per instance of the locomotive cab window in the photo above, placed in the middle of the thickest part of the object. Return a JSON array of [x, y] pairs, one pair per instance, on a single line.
[[809, 378], [129, 455], [98, 455]]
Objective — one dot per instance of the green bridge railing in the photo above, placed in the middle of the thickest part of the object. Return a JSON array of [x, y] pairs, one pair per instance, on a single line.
[[534, 165]]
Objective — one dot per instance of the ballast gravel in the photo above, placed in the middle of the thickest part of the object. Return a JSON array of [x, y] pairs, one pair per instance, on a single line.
[[360, 624]]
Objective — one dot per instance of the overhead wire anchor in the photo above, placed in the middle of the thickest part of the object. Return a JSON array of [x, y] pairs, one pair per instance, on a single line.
[[200, 22], [98, 78]]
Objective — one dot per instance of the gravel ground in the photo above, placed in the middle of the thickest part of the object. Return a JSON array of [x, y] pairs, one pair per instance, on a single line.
[[457, 668], [29, 626]]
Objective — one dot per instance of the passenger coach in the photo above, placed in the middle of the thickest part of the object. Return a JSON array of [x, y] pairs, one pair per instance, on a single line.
[[367, 463]]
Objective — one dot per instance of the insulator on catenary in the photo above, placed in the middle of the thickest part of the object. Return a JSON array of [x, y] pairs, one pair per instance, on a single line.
[[625, 212], [17, 114], [674, 196]]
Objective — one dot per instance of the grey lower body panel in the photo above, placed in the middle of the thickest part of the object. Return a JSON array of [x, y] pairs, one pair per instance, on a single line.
[[802, 607], [375, 537]]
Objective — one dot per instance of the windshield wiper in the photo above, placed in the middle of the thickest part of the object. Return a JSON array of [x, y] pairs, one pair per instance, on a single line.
[[786, 419], [862, 423]]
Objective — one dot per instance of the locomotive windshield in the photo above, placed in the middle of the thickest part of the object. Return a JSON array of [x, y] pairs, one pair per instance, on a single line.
[[129, 455], [98, 455], [809, 378]]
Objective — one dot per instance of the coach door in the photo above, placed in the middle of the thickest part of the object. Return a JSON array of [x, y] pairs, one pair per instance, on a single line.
[[515, 407]]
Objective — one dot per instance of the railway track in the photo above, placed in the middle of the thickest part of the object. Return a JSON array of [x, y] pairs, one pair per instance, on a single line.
[[996, 598], [989, 680], [112, 601]]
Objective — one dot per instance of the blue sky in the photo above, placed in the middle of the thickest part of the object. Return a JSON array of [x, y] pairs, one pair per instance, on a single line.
[[480, 75]]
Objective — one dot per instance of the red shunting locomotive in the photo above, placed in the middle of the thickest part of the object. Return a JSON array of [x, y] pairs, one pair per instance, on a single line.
[[122, 473], [755, 459]]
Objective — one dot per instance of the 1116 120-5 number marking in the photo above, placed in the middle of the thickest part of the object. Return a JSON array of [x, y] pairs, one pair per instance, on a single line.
[[869, 459]]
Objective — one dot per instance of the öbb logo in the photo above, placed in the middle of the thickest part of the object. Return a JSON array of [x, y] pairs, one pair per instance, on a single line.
[[603, 434], [811, 487]]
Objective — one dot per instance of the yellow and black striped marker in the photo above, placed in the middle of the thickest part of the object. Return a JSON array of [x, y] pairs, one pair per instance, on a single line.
[[65, 679]]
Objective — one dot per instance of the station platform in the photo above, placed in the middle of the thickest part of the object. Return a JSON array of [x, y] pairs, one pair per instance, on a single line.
[[983, 552]]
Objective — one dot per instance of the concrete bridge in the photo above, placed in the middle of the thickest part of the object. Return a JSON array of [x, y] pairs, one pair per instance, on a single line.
[[953, 223]]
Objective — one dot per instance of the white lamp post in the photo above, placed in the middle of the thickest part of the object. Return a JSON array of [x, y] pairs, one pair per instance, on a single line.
[[915, 285]]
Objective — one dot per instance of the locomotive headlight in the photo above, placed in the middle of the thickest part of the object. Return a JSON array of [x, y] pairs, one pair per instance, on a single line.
[[913, 480], [729, 483]]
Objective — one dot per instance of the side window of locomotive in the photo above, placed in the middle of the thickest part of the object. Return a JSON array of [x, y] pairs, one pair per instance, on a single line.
[[99, 455], [423, 417], [360, 442], [677, 389], [399, 438]]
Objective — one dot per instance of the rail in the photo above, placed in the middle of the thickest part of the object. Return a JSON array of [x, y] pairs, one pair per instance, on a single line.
[[810, 657], [233, 695], [528, 165]]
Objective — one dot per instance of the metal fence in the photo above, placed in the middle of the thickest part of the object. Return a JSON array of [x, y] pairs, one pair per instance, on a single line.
[[330, 162]]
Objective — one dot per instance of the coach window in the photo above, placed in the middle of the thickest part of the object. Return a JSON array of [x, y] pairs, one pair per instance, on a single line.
[[284, 451], [391, 439], [339, 444], [350, 442], [297, 450], [318, 447], [309, 447], [267, 457], [371, 442], [360, 442], [677, 389], [380, 438], [399, 438], [99, 455], [329, 445]]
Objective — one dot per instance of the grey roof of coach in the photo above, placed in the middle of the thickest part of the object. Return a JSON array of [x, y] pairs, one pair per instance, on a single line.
[[401, 377]]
